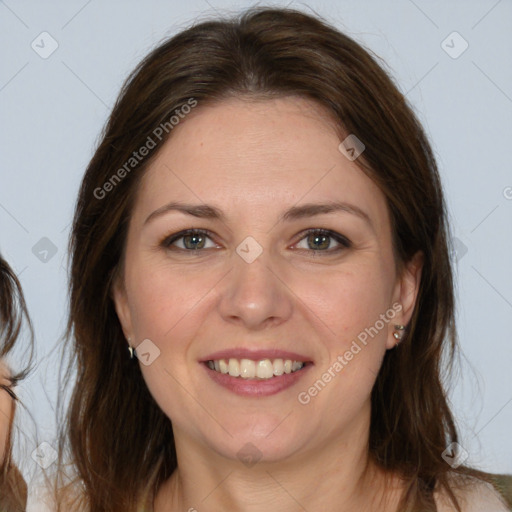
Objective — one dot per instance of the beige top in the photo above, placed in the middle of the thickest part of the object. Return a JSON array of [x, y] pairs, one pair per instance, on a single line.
[[477, 496]]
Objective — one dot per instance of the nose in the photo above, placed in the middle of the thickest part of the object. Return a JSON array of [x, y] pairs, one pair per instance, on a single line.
[[255, 295]]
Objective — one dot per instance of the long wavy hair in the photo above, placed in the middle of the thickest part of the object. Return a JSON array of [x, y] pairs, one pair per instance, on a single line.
[[14, 319], [117, 441]]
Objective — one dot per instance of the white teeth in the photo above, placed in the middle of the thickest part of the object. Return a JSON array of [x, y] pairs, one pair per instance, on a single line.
[[249, 369], [295, 366], [264, 369], [278, 367], [223, 366], [234, 367]]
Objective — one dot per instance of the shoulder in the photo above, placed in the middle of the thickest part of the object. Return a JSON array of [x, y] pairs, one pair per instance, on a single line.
[[473, 494]]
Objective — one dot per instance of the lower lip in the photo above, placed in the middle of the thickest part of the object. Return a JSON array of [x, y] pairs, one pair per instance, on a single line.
[[257, 387]]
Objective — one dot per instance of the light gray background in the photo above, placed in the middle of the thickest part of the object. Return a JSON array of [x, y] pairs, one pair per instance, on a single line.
[[52, 111]]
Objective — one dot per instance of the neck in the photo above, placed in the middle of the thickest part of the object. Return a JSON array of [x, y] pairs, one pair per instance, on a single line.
[[338, 475]]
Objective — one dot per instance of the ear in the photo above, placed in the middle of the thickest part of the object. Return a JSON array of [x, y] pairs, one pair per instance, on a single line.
[[119, 296], [405, 294]]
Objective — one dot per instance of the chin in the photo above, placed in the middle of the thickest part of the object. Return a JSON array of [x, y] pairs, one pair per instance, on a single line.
[[267, 440]]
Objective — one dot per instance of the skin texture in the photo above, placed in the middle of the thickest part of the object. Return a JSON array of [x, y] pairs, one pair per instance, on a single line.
[[253, 160]]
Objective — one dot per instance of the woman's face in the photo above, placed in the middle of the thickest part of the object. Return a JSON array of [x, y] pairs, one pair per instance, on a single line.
[[254, 285], [6, 409]]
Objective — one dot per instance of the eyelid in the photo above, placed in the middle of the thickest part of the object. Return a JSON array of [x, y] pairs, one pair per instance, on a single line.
[[8, 389]]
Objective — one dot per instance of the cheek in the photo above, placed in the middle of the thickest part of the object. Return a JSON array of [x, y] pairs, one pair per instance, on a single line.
[[161, 298], [167, 307], [350, 305], [166, 302], [171, 306], [347, 301], [6, 409]]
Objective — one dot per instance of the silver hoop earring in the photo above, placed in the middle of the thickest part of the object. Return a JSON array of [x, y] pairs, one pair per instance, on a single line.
[[131, 350]]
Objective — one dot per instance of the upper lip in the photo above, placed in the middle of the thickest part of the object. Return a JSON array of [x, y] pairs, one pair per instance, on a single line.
[[255, 355]]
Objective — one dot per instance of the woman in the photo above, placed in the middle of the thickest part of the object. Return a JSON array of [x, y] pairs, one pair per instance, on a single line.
[[261, 290], [13, 312]]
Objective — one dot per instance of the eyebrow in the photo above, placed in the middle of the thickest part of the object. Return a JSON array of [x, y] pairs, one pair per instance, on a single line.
[[205, 211]]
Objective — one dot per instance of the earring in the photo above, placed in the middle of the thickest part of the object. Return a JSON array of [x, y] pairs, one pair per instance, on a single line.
[[398, 335], [131, 350]]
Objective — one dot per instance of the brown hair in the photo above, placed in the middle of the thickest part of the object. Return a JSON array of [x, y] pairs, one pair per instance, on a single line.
[[263, 53], [13, 316]]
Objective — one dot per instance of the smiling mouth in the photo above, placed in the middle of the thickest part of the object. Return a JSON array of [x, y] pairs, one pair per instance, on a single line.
[[262, 369]]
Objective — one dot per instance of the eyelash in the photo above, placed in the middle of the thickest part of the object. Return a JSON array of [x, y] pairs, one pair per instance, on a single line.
[[343, 241]]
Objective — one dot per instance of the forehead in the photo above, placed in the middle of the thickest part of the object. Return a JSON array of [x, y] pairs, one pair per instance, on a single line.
[[257, 156]]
